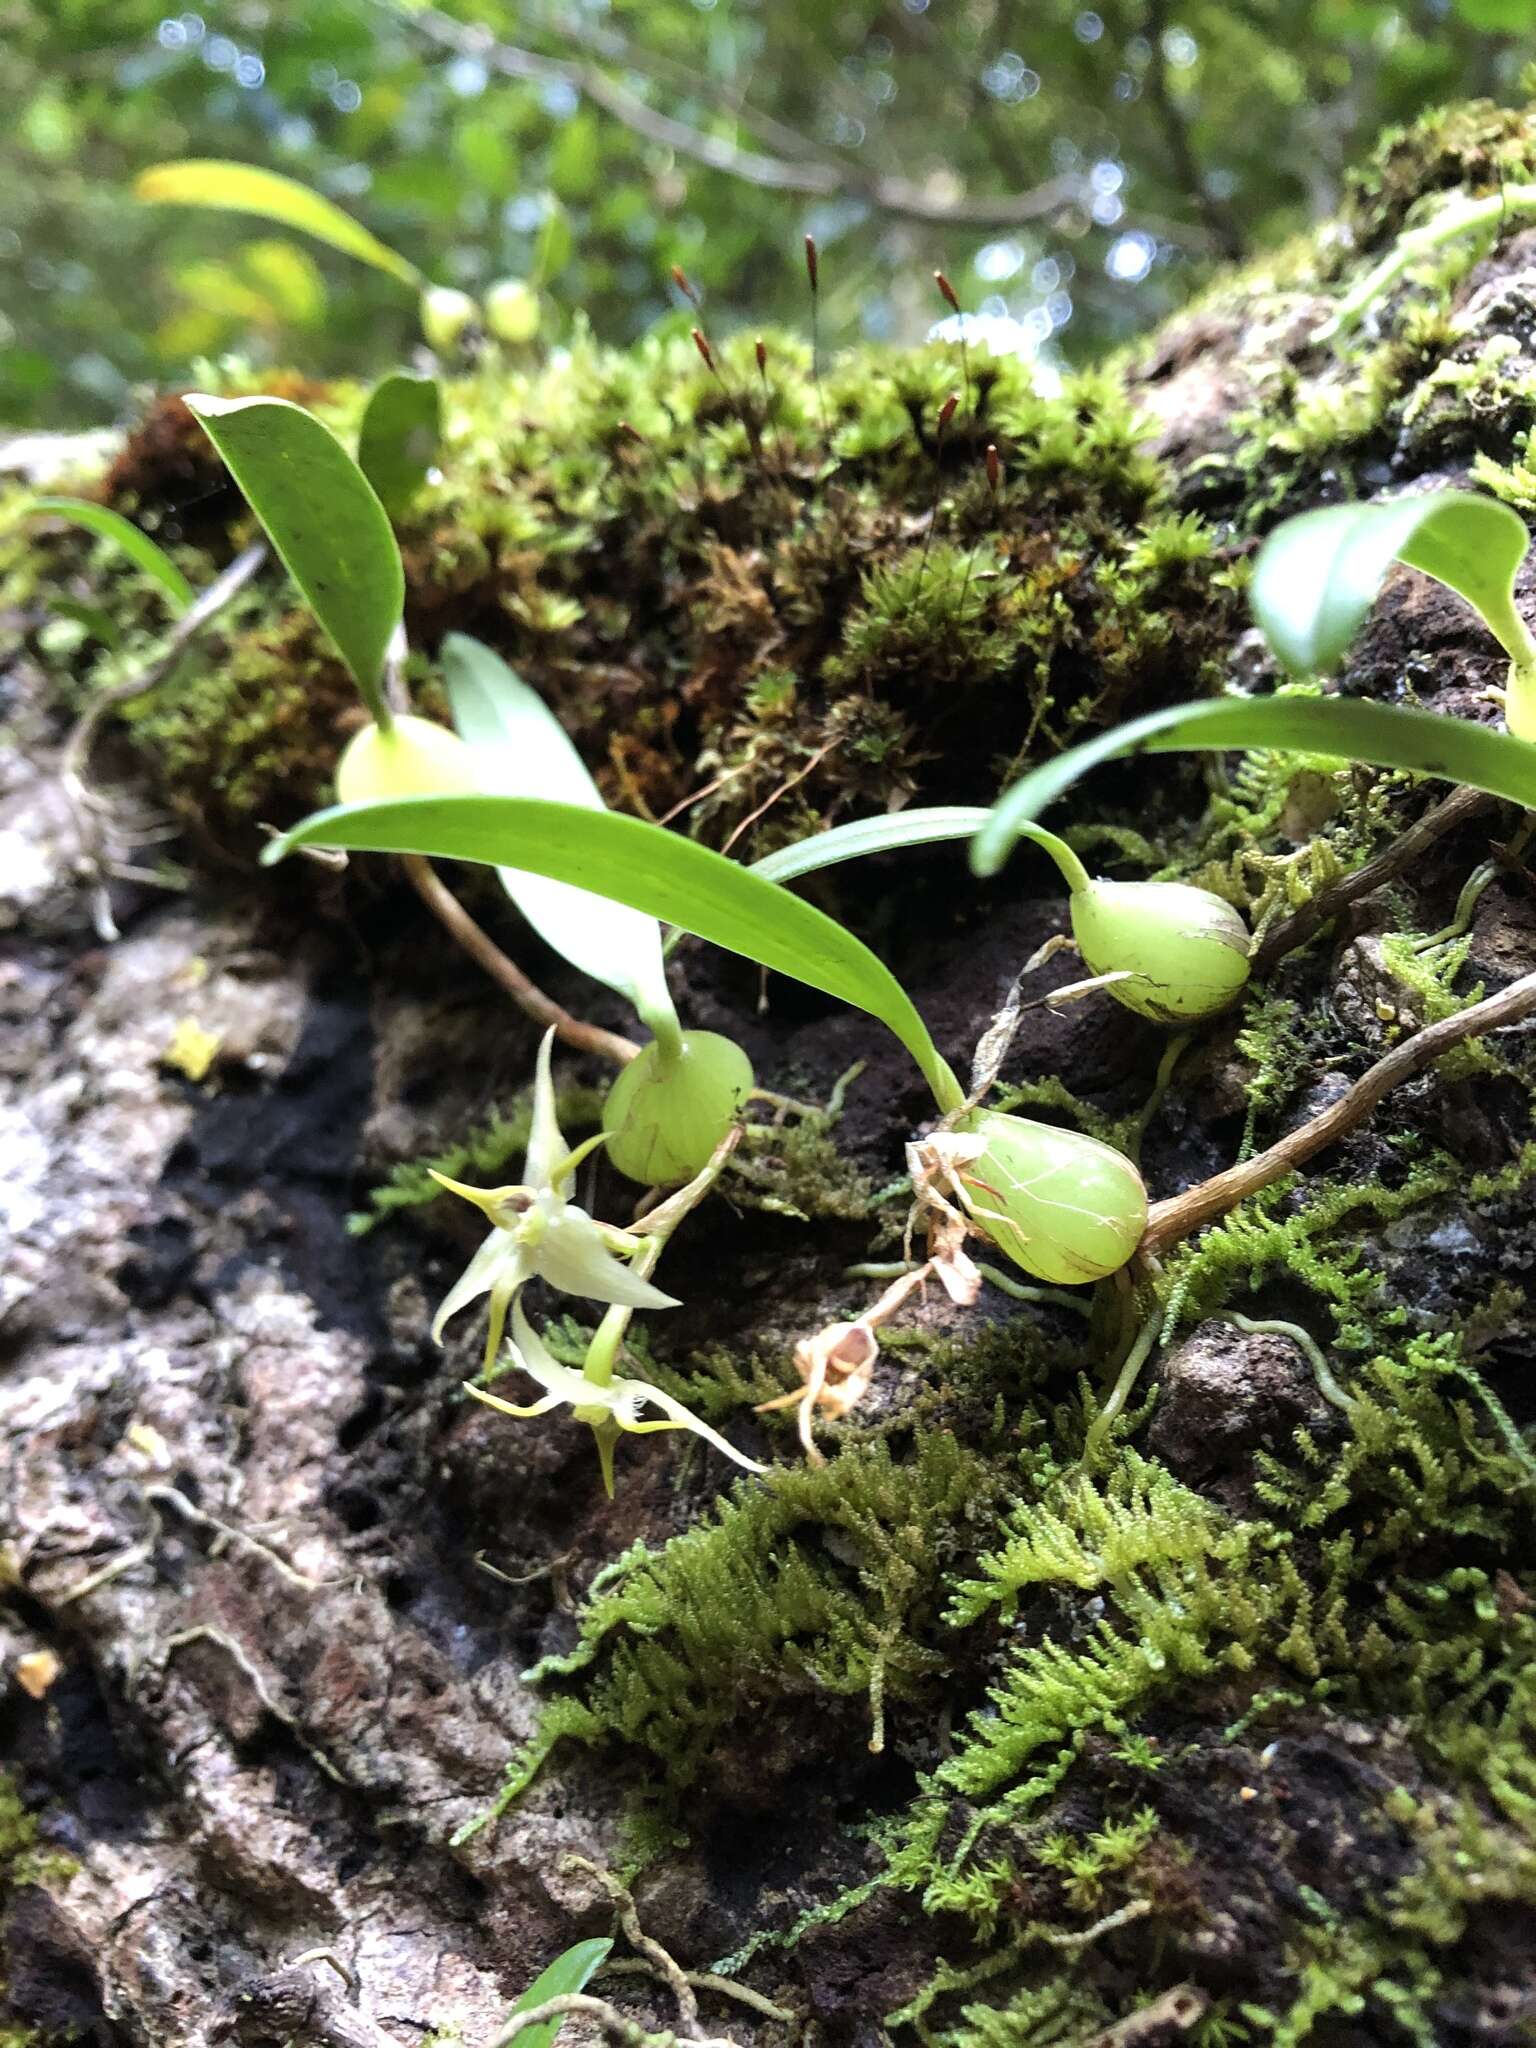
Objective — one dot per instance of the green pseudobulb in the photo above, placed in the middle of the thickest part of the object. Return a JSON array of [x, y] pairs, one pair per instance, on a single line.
[[512, 310], [447, 316], [1065, 1207], [410, 757], [665, 1115], [1186, 949]]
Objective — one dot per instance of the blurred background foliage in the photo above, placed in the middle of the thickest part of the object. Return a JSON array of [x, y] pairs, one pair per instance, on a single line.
[[1076, 169]]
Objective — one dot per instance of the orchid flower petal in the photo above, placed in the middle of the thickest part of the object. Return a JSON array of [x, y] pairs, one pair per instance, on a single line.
[[634, 1393], [477, 1278], [540, 1407], [574, 1258], [547, 1149]]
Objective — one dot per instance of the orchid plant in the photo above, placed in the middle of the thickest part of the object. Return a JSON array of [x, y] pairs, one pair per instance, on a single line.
[[538, 1233]]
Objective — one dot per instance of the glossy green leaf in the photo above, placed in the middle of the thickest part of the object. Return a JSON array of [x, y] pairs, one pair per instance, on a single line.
[[650, 869], [885, 834], [1317, 576], [398, 439], [247, 188], [521, 749], [324, 519], [566, 1975], [144, 553], [1381, 735]]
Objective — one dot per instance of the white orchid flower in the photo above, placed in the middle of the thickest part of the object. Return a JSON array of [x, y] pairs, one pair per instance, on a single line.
[[537, 1232], [609, 1409]]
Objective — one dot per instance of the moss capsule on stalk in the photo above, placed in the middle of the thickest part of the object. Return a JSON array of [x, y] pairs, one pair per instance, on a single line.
[[1064, 1207], [668, 1110]]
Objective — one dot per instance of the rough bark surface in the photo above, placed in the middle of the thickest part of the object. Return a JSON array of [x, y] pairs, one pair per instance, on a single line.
[[293, 1582]]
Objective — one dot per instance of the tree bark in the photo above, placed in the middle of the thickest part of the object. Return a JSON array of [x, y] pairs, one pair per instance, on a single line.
[[272, 1586]]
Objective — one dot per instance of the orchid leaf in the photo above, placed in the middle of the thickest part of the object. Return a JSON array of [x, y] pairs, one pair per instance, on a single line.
[[521, 749], [566, 1975], [324, 519], [884, 834], [1380, 735], [1317, 576], [652, 870], [247, 188], [397, 441], [132, 540]]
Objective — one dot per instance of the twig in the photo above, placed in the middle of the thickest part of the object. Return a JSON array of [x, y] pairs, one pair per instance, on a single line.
[[816, 176], [205, 1633], [704, 1980], [1182, 1215], [672, 1973], [168, 1496], [783, 790], [482, 948], [77, 748], [1176, 2011], [1459, 808], [1223, 228]]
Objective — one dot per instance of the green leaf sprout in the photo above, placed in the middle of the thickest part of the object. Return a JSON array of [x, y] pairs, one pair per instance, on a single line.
[[397, 441], [1317, 576], [324, 519], [1380, 735], [569, 1973], [131, 540], [520, 749]]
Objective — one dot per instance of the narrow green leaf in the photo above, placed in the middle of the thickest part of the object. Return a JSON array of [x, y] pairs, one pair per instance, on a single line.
[[144, 553], [567, 1974], [1381, 735], [397, 441], [247, 188], [885, 834], [521, 749], [650, 869], [324, 519], [1317, 576], [99, 624]]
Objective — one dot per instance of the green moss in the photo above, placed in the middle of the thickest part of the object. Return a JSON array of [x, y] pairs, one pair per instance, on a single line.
[[501, 1140], [24, 1862], [820, 1586]]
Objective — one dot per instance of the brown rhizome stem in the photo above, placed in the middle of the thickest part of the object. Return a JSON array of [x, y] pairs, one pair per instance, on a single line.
[[1458, 809], [529, 998], [1180, 1216]]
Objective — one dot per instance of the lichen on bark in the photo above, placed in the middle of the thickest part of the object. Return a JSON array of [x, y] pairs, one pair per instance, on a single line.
[[991, 1731]]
